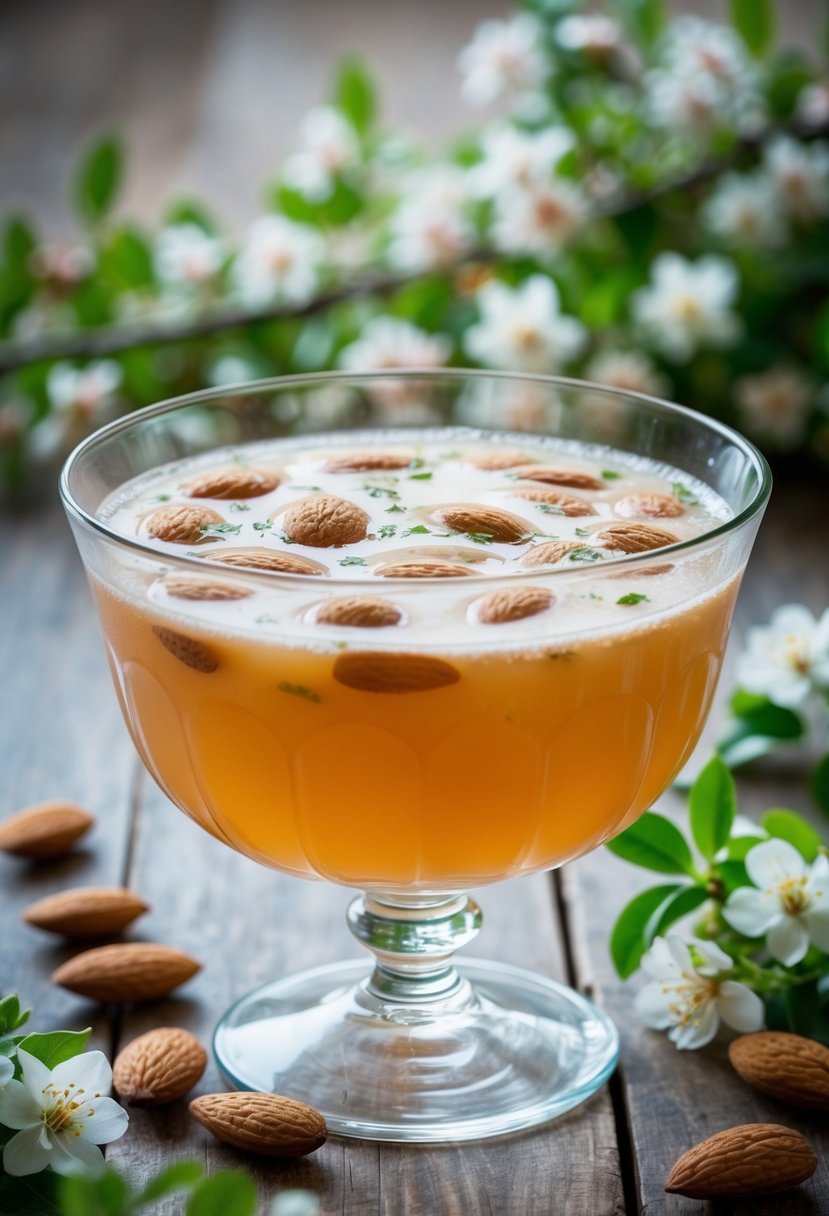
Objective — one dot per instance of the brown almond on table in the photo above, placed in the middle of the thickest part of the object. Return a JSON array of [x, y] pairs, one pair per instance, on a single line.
[[181, 525], [160, 1066], [234, 481], [325, 522], [366, 462], [550, 552], [362, 611], [260, 558], [654, 506], [786, 1066], [513, 604], [489, 521], [86, 911], [572, 507], [44, 830], [576, 479], [132, 971], [187, 650], [182, 587], [266, 1124], [635, 538], [753, 1159], [495, 461], [422, 570], [393, 673]]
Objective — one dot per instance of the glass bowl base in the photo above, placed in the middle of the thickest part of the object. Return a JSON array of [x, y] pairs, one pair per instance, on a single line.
[[506, 1050]]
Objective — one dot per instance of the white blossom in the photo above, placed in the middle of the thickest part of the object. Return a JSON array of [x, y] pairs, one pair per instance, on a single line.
[[518, 406], [60, 1115], [279, 261], [523, 328], [187, 256], [743, 209], [788, 904], [705, 80], [6, 1070], [63, 265], [594, 33], [813, 103], [787, 659], [708, 48], [514, 158], [691, 993], [392, 343], [774, 405], [80, 399], [429, 227], [504, 59], [540, 219], [628, 370], [688, 304], [330, 148], [800, 176], [682, 101], [295, 1202]]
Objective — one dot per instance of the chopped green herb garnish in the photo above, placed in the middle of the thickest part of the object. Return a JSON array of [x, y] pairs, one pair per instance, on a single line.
[[610, 475], [220, 529], [299, 690], [479, 538], [304, 487], [419, 476], [267, 619], [416, 462], [549, 509], [352, 561], [380, 492], [239, 506], [396, 509], [684, 494], [582, 532], [160, 498], [583, 554], [262, 525], [386, 530], [632, 597], [417, 530]]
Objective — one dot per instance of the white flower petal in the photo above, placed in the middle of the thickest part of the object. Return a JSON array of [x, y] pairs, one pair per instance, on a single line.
[[6, 1070], [652, 1006], [697, 1034], [714, 959], [18, 1107], [658, 960], [816, 924], [773, 862], [36, 1076], [752, 912], [90, 1071], [107, 1123], [74, 1155], [788, 941], [792, 618], [739, 1007], [25, 1154], [679, 952]]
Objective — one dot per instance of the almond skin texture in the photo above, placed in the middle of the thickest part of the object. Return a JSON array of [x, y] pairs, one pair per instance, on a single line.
[[235, 481], [180, 587], [574, 478], [366, 462], [653, 506], [572, 507], [513, 604], [393, 673], [188, 651], [325, 522], [549, 553], [45, 830], [635, 538], [495, 461], [788, 1067], [500, 526], [422, 570], [133, 971], [266, 1124], [181, 525], [86, 911], [362, 611], [754, 1159], [267, 559], [159, 1066]]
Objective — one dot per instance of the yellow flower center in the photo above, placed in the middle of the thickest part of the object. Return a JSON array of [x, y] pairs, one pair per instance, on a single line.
[[793, 895]]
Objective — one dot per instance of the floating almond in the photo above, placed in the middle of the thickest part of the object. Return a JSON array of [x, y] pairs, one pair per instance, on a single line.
[[753, 1159], [45, 830], [182, 587], [181, 525], [259, 558], [266, 1124], [494, 461], [131, 971], [654, 506], [188, 651], [362, 611], [576, 479], [478, 520], [366, 462], [550, 552], [789, 1067], [325, 522], [86, 911], [513, 604], [635, 538], [564, 503], [234, 481], [160, 1066], [393, 673], [431, 569]]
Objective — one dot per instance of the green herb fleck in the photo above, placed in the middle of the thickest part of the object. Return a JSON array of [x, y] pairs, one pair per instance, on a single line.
[[239, 506], [583, 554], [632, 597], [396, 509], [220, 529], [582, 532], [420, 476], [380, 492], [417, 530], [684, 494], [299, 690], [610, 475], [549, 509], [314, 488], [416, 462], [262, 525], [386, 530], [266, 619], [352, 561], [479, 538]]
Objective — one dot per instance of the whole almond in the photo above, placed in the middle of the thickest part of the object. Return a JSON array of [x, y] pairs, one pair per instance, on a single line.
[[654, 506], [325, 522], [429, 569], [234, 481], [383, 672], [565, 503], [491, 522], [86, 911], [45, 830], [366, 462], [576, 479], [188, 651], [789, 1067], [550, 552], [160, 1066], [259, 558], [266, 1124], [513, 604], [495, 461], [635, 538], [132, 971], [181, 525], [182, 587], [362, 611], [753, 1159]]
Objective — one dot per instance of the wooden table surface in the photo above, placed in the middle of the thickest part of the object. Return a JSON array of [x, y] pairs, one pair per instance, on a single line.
[[62, 736]]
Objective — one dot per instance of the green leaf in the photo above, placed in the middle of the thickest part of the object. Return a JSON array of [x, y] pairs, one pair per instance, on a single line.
[[733, 875], [10, 1015], [182, 1176], [105, 1196], [645, 19], [19, 243], [754, 20], [59, 1045], [739, 846], [819, 784], [760, 716], [713, 805], [654, 843], [225, 1194], [98, 178], [36, 1195], [355, 95], [188, 211], [807, 1011], [788, 825], [130, 258], [682, 903], [627, 940]]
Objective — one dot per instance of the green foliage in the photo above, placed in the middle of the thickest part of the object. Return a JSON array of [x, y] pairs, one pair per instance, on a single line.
[[98, 179], [788, 825], [225, 1194], [755, 22], [627, 939], [59, 1045], [644, 18], [713, 804], [758, 727], [355, 95], [819, 784], [654, 843], [12, 1017]]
